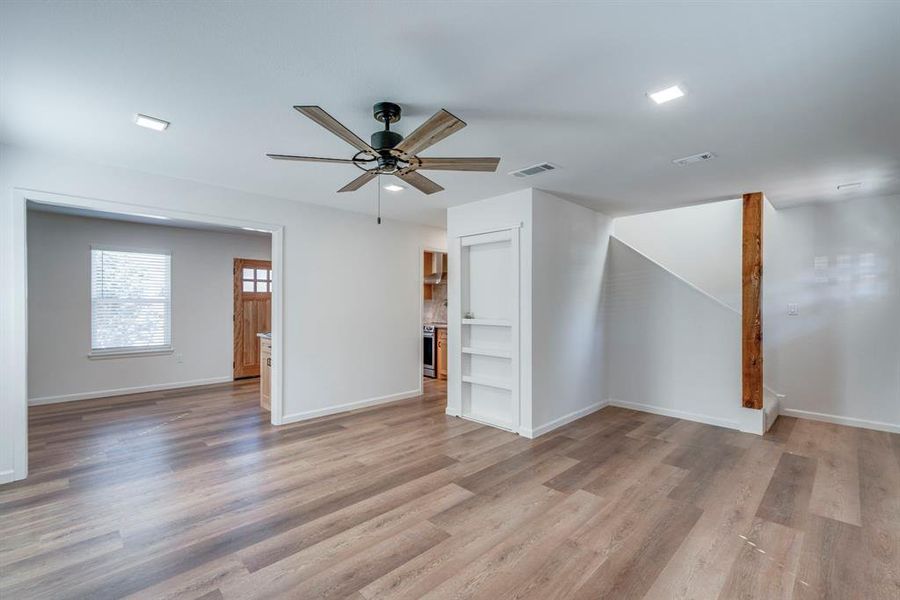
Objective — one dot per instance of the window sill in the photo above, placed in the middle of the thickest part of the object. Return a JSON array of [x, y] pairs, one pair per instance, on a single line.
[[103, 354]]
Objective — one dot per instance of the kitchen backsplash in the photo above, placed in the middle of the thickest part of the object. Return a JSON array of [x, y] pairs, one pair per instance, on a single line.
[[436, 308]]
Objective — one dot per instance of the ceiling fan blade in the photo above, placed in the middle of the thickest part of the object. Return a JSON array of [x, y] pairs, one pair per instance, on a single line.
[[419, 181], [358, 182], [334, 126], [459, 164], [440, 125], [309, 158]]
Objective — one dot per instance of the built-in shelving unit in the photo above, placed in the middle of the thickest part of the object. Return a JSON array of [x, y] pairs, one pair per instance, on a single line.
[[489, 337]]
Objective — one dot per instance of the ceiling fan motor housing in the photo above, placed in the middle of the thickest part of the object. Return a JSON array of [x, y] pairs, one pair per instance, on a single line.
[[387, 113], [385, 140]]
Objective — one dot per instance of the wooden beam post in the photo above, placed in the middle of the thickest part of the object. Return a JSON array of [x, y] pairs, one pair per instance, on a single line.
[[751, 290]]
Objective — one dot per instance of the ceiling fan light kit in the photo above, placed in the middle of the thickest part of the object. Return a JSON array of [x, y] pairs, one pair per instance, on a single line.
[[389, 153]]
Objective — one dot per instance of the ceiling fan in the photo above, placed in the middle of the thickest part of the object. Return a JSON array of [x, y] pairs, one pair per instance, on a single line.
[[390, 153]]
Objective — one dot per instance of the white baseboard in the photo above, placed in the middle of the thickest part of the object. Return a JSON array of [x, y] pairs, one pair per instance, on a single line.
[[563, 420], [839, 420], [7, 476], [332, 410], [129, 390], [678, 414]]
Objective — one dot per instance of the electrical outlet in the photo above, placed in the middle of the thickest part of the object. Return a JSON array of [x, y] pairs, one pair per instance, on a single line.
[[793, 309]]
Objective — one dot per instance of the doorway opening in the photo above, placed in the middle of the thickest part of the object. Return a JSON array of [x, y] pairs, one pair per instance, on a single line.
[[434, 314], [130, 321]]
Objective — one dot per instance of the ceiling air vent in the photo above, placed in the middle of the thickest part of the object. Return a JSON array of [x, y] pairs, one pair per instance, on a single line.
[[688, 160], [533, 170]]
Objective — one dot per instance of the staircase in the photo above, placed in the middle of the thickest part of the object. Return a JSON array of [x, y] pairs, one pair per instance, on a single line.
[[712, 315]]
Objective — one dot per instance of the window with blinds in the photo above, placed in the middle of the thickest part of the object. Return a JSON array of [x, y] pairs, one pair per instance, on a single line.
[[131, 301]]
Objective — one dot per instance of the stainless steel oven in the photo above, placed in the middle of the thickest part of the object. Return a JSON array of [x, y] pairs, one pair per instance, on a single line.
[[429, 351]]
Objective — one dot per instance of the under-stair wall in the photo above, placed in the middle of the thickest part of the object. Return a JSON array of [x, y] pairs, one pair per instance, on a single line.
[[672, 349]]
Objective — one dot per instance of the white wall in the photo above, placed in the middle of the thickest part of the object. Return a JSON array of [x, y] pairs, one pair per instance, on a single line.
[[839, 358], [59, 306], [329, 256], [568, 256], [701, 244], [671, 348]]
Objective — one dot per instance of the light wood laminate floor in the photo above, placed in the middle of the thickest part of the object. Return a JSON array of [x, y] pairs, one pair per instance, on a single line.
[[192, 494]]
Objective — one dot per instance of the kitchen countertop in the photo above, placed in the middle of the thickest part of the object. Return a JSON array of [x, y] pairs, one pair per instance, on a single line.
[[438, 325]]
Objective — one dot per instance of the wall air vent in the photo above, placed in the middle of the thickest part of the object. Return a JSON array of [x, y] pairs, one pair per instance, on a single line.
[[534, 170], [688, 160]]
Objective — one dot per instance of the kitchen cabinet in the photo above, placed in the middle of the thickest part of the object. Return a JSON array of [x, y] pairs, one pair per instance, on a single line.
[[265, 372], [441, 352], [426, 269]]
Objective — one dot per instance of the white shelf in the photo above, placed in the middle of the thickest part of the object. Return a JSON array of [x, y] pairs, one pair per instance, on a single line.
[[496, 352], [488, 381], [490, 322]]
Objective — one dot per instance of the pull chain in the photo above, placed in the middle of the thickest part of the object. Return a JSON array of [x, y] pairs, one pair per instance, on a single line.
[[378, 181]]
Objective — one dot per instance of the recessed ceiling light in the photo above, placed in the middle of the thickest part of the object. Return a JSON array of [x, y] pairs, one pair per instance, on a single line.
[[667, 94], [393, 187], [150, 122], [849, 186], [160, 217]]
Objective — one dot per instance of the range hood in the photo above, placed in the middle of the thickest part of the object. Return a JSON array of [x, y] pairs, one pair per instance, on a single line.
[[437, 274]]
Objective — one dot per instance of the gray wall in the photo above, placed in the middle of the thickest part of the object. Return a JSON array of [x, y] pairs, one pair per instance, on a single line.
[[59, 305]]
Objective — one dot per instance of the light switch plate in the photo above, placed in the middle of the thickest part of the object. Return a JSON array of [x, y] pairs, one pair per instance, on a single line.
[[793, 309]]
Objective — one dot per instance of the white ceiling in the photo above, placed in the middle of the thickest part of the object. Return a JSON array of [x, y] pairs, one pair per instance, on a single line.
[[794, 98]]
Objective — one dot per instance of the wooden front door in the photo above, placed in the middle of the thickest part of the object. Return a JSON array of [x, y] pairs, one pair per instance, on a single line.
[[252, 312]]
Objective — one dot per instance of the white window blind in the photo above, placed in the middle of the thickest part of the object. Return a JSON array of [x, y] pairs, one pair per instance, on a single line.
[[131, 301]]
